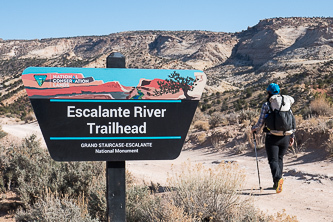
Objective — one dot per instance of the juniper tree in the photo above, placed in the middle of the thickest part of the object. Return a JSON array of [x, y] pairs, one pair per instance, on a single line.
[[174, 84]]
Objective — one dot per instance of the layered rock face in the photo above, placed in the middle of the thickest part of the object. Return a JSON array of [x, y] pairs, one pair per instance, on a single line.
[[280, 45]]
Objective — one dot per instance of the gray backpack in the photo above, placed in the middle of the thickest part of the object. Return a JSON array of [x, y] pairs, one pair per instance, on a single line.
[[280, 116]]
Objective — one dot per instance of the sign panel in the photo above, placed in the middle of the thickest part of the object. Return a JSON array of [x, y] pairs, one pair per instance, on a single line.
[[88, 114]]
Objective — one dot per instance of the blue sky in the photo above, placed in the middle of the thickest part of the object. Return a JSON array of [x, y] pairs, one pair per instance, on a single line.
[[36, 19]]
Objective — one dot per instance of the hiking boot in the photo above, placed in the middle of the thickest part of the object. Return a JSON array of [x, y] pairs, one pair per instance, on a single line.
[[275, 185], [279, 186]]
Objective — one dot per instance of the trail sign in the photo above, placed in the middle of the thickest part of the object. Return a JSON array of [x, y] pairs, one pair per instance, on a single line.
[[93, 114]]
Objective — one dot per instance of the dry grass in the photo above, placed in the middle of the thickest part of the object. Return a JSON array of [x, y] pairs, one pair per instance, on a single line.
[[215, 120], [29, 117], [299, 120], [55, 207], [196, 194], [249, 115], [316, 124], [282, 217], [314, 133], [201, 138], [28, 170], [219, 137], [201, 125], [198, 115], [211, 194], [321, 107]]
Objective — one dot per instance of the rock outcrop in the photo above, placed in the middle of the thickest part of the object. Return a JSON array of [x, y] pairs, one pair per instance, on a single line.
[[273, 48]]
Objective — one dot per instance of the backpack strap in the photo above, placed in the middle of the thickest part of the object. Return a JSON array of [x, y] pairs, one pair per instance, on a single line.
[[282, 103], [266, 129]]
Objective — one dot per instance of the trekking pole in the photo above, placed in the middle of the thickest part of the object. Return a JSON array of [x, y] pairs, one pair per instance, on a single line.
[[255, 150]]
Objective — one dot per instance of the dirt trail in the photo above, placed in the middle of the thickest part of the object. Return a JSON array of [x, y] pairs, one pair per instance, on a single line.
[[21, 129], [307, 191]]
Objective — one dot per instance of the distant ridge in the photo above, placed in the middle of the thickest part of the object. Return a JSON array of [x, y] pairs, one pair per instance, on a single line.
[[276, 49]]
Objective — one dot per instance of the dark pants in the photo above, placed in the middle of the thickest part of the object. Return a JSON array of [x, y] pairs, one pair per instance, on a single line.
[[276, 147]]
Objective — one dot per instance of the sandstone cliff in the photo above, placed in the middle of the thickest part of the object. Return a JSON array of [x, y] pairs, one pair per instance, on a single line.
[[272, 49]]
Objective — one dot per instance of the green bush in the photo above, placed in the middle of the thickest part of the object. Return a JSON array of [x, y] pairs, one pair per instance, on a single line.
[[141, 205], [28, 170], [248, 115], [215, 120], [2, 133], [53, 208]]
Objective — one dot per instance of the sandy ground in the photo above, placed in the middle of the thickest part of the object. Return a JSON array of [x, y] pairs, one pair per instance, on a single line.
[[307, 191], [21, 129]]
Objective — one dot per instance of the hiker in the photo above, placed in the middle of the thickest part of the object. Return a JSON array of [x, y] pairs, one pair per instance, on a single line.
[[278, 137]]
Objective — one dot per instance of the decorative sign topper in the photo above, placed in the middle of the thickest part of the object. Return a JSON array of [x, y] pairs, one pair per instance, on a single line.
[[88, 114]]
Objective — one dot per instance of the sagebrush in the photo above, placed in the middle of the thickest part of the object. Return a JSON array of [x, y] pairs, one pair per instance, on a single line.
[[28, 170], [75, 191]]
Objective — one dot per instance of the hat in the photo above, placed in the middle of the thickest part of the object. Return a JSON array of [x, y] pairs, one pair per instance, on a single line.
[[273, 89]]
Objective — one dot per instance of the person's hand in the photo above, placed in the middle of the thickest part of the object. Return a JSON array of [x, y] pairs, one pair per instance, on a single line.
[[291, 141]]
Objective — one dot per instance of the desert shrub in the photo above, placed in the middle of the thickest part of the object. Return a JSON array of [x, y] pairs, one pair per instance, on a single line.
[[313, 133], [195, 194], [21, 162], [317, 125], [201, 125], [76, 191], [198, 138], [96, 197], [199, 116], [329, 124], [217, 140], [29, 117], [224, 106], [233, 118], [129, 177], [299, 120], [240, 147], [211, 194], [29, 170], [201, 137], [53, 208], [2, 133], [281, 216], [141, 205], [220, 136], [248, 114], [215, 120], [248, 92], [321, 107], [306, 113]]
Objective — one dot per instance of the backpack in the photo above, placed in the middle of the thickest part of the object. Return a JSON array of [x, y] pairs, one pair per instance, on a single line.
[[280, 117]]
